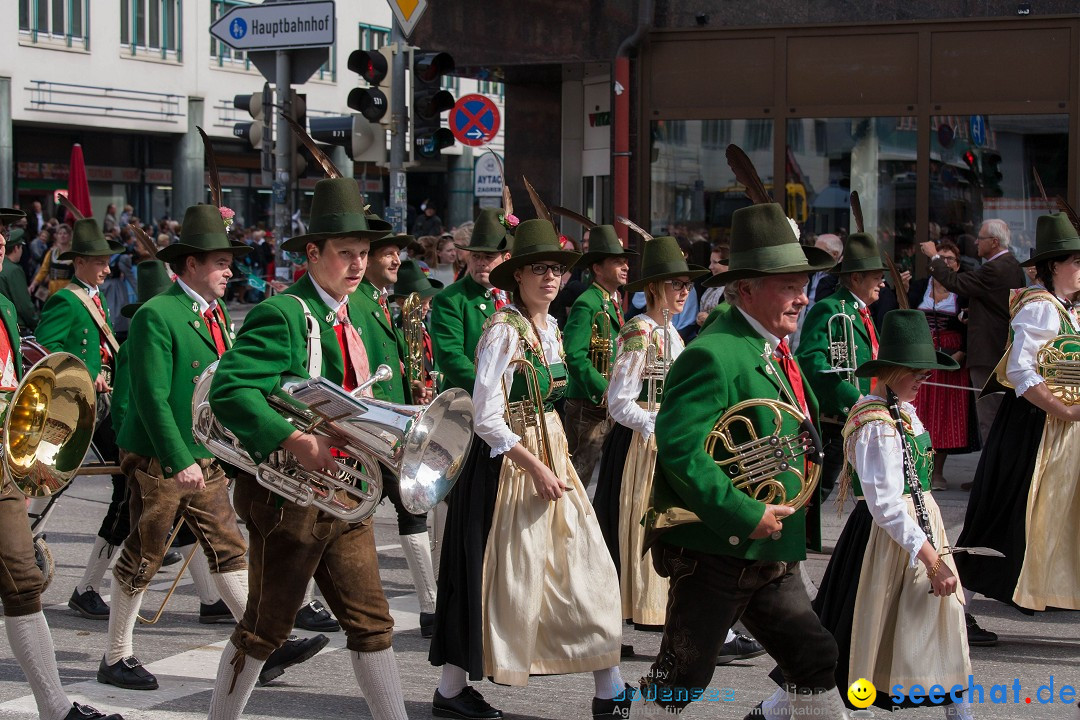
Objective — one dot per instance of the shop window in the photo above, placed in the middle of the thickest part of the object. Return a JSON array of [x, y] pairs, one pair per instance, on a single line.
[[151, 27], [67, 21], [716, 133], [373, 37], [758, 135], [981, 168]]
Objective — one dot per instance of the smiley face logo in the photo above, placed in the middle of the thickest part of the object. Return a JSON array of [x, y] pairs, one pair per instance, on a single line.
[[862, 693]]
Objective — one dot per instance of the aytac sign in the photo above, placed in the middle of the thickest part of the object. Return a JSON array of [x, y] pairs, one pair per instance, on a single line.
[[488, 176]]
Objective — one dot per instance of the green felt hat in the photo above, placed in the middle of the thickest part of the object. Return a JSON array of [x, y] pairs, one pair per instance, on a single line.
[[87, 240], [860, 255], [763, 243], [412, 279], [1055, 237], [401, 241], [337, 210], [662, 259], [534, 241], [203, 231], [10, 215], [153, 279], [16, 238], [603, 243], [489, 234], [906, 342]]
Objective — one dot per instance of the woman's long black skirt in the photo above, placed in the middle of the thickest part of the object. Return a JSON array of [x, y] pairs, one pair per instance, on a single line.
[[609, 486]]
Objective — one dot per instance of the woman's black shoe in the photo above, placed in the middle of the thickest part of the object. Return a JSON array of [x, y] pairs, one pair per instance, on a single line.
[[466, 705]]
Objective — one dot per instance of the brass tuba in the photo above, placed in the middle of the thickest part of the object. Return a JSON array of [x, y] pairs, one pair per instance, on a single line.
[[529, 412], [425, 446], [1059, 363], [840, 331]]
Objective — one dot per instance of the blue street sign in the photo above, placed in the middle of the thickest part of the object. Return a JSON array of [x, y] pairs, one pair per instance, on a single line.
[[978, 130]]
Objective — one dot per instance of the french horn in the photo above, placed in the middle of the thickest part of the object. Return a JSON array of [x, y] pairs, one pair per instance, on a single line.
[[1059, 363]]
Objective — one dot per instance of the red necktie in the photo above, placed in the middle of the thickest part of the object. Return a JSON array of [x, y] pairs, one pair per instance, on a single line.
[[618, 309], [214, 326], [97, 301], [791, 370], [385, 309], [105, 354], [429, 359], [868, 323], [5, 358], [500, 300], [353, 352]]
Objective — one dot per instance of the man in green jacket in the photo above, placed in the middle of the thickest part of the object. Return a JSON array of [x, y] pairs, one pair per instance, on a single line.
[[13, 281], [592, 327], [291, 544], [740, 556]]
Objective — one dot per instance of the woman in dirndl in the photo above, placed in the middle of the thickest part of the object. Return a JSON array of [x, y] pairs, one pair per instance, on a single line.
[[1025, 499], [889, 597], [548, 599]]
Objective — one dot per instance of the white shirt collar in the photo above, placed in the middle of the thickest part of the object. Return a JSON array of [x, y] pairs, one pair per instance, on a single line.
[[330, 302], [199, 299], [773, 341], [1004, 251], [91, 290]]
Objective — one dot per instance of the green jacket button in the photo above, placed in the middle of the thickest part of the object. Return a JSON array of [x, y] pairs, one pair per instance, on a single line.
[[733, 540], [85, 331], [195, 364], [168, 470]]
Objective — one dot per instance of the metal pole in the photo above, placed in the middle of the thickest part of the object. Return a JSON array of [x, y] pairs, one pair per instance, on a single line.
[[283, 154], [399, 124]]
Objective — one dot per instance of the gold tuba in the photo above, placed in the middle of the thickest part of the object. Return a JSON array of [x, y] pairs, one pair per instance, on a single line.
[[840, 331], [1059, 363], [601, 343], [412, 326], [529, 412], [48, 421], [425, 446]]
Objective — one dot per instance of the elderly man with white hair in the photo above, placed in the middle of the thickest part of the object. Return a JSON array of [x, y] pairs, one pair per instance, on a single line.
[[821, 284]]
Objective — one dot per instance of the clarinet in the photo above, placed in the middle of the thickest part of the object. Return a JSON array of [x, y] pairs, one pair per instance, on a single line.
[[922, 515]]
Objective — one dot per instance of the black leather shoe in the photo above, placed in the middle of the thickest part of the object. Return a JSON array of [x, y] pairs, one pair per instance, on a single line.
[[89, 604], [128, 673], [613, 708], [626, 651], [756, 714], [427, 624], [743, 647], [171, 558], [466, 705], [315, 617], [976, 635], [216, 613], [85, 712], [294, 651]]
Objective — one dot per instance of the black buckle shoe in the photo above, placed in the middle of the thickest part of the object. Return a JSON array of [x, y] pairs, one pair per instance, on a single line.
[[127, 673], [756, 714], [976, 635], [89, 604], [469, 704], [216, 613], [743, 647], [315, 617], [626, 651], [85, 712], [427, 624], [171, 558], [619, 707], [294, 651]]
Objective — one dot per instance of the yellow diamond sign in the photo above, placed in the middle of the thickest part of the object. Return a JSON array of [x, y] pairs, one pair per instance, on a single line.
[[408, 13]]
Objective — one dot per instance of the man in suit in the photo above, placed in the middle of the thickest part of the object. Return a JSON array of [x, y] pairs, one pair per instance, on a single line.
[[291, 544], [13, 281], [742, 557], [987, 290]]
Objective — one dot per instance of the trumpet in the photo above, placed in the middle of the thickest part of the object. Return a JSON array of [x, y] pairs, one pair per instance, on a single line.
[[841, 343], [425, 446], [412, 326], [657, 364], [600, 344], [529, 411], [1058, 362]]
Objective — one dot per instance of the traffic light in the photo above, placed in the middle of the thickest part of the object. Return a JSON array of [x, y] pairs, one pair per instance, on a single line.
[[429, 102], [373, 102], [254, 105], [972, 173], [991, 173], [363, 141]]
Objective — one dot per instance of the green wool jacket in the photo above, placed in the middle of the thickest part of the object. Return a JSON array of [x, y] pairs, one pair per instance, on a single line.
[[271, 345], [837, 395], [121, 389], [384, 343], [584, 381], [11, 324], [169, 337], [66, 326], [13, 287], [722, 366], [458, 314]]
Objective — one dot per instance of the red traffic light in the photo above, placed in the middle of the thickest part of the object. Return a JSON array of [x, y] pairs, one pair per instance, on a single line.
[[368, 64], [431, 66], [971, 160]]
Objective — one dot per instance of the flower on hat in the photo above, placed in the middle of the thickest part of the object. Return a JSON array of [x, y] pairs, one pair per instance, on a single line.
[[227, 215], [795, 228], [509, 221], [562, 241]]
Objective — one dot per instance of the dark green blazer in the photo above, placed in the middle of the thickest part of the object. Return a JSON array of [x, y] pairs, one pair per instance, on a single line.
[[121, 389], [458, 314], [837, 395], [66, 325], [13, 287], [584, 381], [270, 346], [384, 343], [167, 348], [722, 366], [11, 324]]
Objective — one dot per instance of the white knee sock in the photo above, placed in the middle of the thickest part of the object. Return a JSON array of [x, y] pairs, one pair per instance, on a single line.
[[776, 705], [452, 681], [418, 558], [32, 645], [437, 524], [122, 615], [377, 675], [960, 710], [730, 635], [827, 704], [233, 587], [199, 568], [609, 683], [100, 557], [309, 593], [236, 678]]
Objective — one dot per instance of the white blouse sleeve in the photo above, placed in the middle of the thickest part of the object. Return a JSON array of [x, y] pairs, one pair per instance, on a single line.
[[879, 461], [1034, 324], [624, 390], [497, 347]]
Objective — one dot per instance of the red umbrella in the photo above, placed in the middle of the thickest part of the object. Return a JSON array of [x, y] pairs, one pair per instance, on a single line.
[[78, 186]]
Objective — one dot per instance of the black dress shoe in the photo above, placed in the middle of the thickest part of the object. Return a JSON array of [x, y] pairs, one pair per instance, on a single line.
[[127, 673], [743, 647], [171, 558], [294, 651], [466, 705], [315, 617], [89, 604], [976, 635], [427, 624], [216, 613], [626, 651], [756, 714], [618, 707], [85, 712]]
